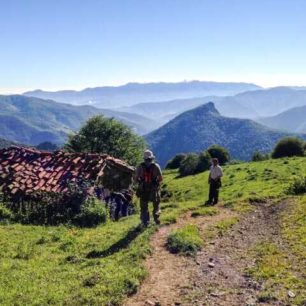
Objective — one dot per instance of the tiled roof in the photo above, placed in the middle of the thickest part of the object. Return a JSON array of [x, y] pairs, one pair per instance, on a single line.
[[24, 170]]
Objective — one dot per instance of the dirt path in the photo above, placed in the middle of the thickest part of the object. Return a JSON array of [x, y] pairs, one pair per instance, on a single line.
[[216, 277], [225, 283], [169, 274]]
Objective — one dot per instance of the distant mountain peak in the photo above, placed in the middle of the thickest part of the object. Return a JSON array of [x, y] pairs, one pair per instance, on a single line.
[[208, 108]]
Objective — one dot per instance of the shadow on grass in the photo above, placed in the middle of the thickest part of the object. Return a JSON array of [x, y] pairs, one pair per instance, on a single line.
[[119, 245]]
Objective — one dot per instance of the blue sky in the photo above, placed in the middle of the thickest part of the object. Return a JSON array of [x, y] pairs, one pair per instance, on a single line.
[[60, 44]]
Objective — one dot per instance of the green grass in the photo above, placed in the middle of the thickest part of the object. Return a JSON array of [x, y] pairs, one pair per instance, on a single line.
[[220, 227], [281, 268], [79, 266], [294, 227], [185, 240], [204, 211], [72, 266]]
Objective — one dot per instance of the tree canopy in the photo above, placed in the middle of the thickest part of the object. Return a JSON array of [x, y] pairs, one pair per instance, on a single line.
[[104, 135], [219, 152], [287, 147]]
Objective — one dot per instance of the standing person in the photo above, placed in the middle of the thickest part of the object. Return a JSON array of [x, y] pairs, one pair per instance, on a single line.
[[149, 176], [214, 181]]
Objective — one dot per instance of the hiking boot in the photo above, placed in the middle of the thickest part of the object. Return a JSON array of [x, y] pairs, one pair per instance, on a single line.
[[157, 222]]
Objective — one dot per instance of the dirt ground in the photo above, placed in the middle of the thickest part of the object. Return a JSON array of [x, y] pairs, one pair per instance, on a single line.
[[216, 276]]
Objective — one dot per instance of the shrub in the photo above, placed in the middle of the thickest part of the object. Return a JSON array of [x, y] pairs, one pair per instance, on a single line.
[[287, 147], [189, 165], [92, 213], [298, 186], [219, 152], [186, 240], [176, 161], [49, 208], [258, 156], [5, 213], [203, 162]]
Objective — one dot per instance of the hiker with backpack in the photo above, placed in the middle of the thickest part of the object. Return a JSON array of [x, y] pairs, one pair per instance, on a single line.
[[148, 177], [214, 181]]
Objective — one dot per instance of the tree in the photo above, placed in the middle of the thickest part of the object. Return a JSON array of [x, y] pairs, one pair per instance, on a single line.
[[104, 135], [204, 162], [176, 161], [287, 147], [189, 165], [219, 152]]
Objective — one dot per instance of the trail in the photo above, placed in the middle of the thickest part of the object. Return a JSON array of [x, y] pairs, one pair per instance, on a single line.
[[169, 274], [217, 276]]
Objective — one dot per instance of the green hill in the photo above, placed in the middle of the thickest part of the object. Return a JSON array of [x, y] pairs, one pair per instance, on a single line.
[[50, 265], [32, 120], [197, 129]]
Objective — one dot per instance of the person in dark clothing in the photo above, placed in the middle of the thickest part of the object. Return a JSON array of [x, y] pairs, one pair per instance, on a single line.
[[149, 176], [122, 202], [214, 181]]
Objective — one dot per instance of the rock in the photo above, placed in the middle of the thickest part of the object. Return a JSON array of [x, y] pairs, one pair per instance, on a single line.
[[291, 294], [149, 303], [211, 264]]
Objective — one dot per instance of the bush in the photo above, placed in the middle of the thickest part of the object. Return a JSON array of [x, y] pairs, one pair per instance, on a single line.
[[49, 208], [186, 240], [176, 161], [189, 165], [258, 156], [219, 152], [298, 186], [287, 147], [5, 213], [203, 162], [92, 213]]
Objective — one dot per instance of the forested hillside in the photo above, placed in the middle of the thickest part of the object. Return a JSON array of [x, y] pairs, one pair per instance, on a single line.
[[199, 128]]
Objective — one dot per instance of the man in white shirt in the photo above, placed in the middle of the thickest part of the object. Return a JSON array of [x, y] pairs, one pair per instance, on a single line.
[[214, 181]]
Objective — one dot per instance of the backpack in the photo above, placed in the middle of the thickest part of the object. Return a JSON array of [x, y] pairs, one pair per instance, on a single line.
[[148, 173]]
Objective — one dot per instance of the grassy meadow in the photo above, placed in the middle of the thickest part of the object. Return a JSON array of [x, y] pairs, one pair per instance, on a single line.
[[44, 265]]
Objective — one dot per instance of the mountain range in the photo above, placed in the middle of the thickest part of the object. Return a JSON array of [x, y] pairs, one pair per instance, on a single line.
[[199, 128], [133, 93], [251, 104], [31, 120], [293, 120], [6, 143]]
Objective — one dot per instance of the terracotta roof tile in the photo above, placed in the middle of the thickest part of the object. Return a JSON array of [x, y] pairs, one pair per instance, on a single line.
[[32, 170]]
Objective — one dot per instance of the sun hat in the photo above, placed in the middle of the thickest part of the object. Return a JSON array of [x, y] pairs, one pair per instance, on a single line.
[[148, 154]]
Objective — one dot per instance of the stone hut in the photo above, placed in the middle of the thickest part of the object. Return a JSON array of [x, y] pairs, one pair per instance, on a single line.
[[25, 171]]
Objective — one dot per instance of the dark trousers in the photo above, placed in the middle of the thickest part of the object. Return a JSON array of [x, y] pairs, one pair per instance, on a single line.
[[154, 197], [214, 187], [121, 207]]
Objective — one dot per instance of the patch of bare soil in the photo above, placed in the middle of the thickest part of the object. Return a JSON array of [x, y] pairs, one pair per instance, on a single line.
[[169, 274], [216, 277], [221, 279]]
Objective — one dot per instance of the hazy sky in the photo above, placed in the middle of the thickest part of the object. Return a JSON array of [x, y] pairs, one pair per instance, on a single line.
[[60, 44]]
